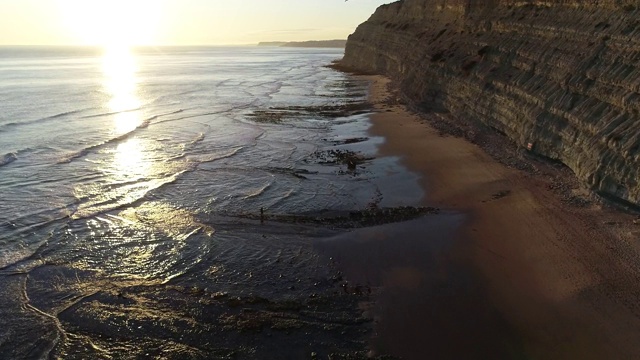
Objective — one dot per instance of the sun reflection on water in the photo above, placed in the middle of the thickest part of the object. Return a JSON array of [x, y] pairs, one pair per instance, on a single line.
[[130, 159], [120, 82], [120, 69]]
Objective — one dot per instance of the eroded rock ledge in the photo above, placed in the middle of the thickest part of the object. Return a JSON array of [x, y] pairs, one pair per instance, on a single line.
[[561, 77]]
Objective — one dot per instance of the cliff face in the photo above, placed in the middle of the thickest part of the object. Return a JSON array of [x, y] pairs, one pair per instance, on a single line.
[[563, 76]]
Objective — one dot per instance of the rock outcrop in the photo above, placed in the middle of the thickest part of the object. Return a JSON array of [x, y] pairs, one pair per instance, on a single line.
[[559, 77]]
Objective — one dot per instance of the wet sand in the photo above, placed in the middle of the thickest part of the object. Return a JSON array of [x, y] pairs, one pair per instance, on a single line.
[[524, 274]]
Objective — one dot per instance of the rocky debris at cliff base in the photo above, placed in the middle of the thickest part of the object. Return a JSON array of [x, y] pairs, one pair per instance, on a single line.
[[281, 114], [371, 216], [339, 157], [346, 141], [339, 66], [394, 97], [298, 173], [352, 159], [272, 117], [347, 88], [331, 111]]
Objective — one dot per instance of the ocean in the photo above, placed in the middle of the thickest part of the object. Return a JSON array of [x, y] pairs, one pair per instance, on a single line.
[[143, 191]]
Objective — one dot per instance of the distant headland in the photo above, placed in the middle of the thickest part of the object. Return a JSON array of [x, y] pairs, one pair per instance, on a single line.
[[307, 44]]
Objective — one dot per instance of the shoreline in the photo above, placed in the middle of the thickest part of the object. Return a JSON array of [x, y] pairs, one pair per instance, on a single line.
[[562, 275]]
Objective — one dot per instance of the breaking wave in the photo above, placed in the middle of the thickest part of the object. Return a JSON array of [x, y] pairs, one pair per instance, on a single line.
[[44, 119], [69, 157]]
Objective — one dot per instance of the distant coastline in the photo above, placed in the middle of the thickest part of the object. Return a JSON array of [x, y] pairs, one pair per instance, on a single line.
[[307, 44]]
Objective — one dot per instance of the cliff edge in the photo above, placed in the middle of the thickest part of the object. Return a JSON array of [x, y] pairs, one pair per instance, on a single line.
[[561, 78]]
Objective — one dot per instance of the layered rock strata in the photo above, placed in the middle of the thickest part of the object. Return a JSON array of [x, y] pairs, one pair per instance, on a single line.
[[559, 77]]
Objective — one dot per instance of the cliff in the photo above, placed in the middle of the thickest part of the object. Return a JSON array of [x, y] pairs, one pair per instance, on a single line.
[[559, 77], [272, 43]]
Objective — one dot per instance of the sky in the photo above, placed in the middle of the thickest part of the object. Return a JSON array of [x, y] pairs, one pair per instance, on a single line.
[[178, 22]]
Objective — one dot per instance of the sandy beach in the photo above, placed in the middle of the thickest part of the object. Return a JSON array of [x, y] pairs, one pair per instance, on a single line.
[[535, 268]]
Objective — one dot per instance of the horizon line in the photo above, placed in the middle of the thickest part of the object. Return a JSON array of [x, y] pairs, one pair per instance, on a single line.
[[173, 45]]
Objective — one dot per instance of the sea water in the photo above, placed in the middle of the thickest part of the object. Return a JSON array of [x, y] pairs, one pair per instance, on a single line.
[[155, 166]]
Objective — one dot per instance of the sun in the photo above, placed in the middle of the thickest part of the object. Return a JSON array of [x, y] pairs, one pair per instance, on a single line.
[[112, 23]]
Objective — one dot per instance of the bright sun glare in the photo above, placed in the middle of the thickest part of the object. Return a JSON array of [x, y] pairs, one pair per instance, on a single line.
[[112, 23]]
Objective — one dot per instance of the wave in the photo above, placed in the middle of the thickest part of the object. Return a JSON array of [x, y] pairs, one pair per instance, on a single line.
[[12, 256], [200, 159], [18, 257], [44, 119], [270, 87], [120, 197], [172, 113], [127, 194], [117, 196], [219, 112], [110, 113], [283, 198], [176, 157], [258, 191], [69, 157], [8, 159], [131, 110], [198, 139]]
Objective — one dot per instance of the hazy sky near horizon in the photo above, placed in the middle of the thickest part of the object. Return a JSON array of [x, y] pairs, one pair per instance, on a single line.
[[178, 22]]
